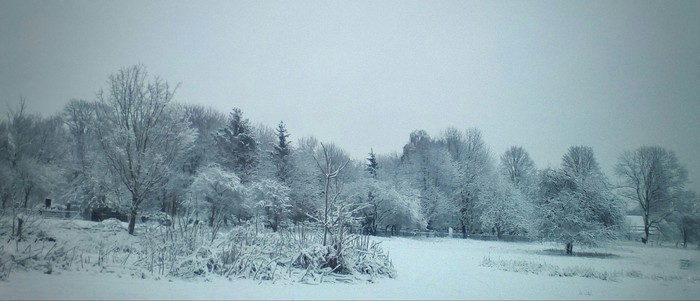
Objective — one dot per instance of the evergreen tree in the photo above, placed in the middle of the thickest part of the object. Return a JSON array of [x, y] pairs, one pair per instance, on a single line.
[[372, 165], [281, 154], [237, 146]]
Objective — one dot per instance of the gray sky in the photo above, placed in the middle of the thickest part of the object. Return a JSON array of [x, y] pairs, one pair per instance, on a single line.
[[613, 75]]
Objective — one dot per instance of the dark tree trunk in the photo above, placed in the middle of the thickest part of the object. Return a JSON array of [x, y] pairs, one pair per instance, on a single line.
[[570, 248], [132, 222], [20, 222], [212, 217], [647, 224], [135, 201], [646, 234], [5, 198], [173, 207], [27, 192]]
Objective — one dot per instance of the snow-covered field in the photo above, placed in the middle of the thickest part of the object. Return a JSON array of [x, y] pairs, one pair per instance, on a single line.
[[428, 268]]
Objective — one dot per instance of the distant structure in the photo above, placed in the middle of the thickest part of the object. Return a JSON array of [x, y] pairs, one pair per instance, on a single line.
[[635, 226]]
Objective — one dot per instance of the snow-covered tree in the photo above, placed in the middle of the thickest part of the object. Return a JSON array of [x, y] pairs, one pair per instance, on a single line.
[[87, 174], [172, 196], [34, 150], [20, 150], [218, 193], [266, 139], [282, 154], [428, 166], [206, 121], [577, 205], [653, 177], [139, 133], [330, 167], [475, 167], [80, 118], [272, 199], [7, 183], [237, 146], [372, 164], [386, 204], [579, 160], [686, 217], [505, 209], [518, 167], [370, 217], [305, 180]]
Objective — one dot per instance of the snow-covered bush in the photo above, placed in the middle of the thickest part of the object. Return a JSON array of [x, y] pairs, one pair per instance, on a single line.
[[35, 250], [271, 198], [533, 267], [294, 254]]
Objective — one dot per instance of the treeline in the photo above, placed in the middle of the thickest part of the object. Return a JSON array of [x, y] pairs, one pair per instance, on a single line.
[[136, 151]]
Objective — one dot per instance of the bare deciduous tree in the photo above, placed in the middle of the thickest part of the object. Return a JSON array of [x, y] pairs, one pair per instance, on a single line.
[[330, 170], [652, 176], [517, 165], [579, 160], [139, 133]]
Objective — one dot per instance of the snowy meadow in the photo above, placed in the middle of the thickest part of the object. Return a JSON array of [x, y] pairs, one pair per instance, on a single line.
[[395, 150], [75, 259]]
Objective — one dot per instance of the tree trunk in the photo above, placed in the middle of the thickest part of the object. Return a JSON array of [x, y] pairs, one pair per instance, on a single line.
[[325, 212], [132, 222], [173, 207], [570, 248], [27, 192], [274, 226], [646, 234], [647, 224], [213, 214], [135, 201], [20, 222]]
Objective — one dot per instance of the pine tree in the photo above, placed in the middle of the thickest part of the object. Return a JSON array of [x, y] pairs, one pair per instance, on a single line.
[[237, 146], [281, 154], [372, 165]]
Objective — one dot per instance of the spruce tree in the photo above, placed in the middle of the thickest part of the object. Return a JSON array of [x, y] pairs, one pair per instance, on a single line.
[[372, 165], [237, 146], [281, 154]]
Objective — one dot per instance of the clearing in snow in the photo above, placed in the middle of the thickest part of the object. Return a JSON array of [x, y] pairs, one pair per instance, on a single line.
[[427, 268]]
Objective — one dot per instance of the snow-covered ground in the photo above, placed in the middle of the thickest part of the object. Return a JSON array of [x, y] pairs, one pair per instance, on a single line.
[[434, 268]]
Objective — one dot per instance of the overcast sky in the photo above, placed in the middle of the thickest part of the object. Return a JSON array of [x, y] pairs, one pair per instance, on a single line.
[[546, 75]]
